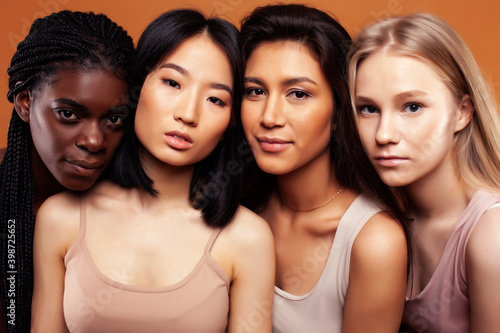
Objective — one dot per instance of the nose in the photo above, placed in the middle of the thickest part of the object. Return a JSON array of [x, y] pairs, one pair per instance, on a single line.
[[387, 131], [273, 113], [187, 110], [92, 138]]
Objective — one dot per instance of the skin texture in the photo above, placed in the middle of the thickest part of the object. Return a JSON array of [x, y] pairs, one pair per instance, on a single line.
[[202, 118], [76, 126], [173, 234], [287, 97], [407, 113], [286, 116]]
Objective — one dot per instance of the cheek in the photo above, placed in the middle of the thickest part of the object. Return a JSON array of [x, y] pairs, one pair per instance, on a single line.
[[428, 140], [249, 116], [113, 140], [50, 140], [145, 120]]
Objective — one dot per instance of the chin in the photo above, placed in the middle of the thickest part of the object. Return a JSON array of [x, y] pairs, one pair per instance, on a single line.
[[79, 185]]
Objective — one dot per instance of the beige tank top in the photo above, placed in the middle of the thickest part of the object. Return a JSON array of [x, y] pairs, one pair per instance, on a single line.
[[322, 309], [95, 303]]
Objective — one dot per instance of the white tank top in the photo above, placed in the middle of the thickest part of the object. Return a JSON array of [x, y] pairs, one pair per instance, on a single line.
[[322, 309]]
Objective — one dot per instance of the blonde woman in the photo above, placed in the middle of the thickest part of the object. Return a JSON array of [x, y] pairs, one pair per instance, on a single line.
[[429, 125]]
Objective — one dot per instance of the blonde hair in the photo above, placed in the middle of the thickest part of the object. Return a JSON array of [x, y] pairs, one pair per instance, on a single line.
[[432, 40]]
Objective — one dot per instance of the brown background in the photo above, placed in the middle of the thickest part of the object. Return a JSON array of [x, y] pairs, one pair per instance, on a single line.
[[476, 21]]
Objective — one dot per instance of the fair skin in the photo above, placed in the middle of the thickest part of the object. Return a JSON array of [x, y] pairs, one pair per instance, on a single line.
[[286, 114], [196, 79], [407, 119]]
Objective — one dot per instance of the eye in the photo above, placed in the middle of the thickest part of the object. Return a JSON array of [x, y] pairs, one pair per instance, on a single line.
[[367, 109], [67, 115], [412, 108], [254, 92], [216, 101], [116, 119], [114, 122], [172, 83], [299, 94]]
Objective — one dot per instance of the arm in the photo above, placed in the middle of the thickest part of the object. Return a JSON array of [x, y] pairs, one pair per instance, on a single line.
[[377, 278], [253, 275], [56, 229], [482, 260]]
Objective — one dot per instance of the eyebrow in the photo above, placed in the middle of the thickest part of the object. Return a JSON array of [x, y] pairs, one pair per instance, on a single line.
[[72, 103], [401, 96], [408, 94], [287, 82], [363, 99], [298, 80], [253, 80], [175, 67], [183, 71]]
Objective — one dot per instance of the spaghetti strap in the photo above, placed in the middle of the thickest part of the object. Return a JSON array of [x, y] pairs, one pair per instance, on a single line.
[[212, 239], [81, 230], [83, 216]]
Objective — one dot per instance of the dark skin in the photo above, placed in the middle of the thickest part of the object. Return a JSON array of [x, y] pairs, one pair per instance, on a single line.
[[76, 124]]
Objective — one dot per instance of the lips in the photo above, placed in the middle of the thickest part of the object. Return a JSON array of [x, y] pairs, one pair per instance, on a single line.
[[390, 161], [273, 145], [86, 168], [178, 140]]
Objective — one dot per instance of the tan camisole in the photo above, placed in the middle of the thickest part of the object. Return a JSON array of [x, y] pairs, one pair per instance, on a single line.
[[95, 303]]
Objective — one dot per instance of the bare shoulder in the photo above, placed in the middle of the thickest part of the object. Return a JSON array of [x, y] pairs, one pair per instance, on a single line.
[[380, 237], [59, 207], [57, 222], [484, 237], [247, 230]]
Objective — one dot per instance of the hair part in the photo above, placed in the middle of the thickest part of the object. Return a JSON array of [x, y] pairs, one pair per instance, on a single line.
[[214, 190]]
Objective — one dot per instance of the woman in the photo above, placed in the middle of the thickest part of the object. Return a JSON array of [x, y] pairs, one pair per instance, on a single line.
[[166, 248], [68, 82], [341, 261], [429, 125]]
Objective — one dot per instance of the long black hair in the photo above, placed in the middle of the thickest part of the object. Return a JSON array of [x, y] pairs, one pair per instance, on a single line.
[[329, 42], [62, 39], [216, 184]]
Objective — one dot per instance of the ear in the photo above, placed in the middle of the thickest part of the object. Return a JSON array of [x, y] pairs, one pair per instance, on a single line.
[[466, 111], [22, 104]]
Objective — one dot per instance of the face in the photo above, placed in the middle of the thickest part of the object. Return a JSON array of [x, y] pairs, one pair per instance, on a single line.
[[76, 123], [287, 107], [185, 104], [407, 118]]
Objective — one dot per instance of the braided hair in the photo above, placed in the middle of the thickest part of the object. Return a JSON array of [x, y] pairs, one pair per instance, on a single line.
[[62, 40]]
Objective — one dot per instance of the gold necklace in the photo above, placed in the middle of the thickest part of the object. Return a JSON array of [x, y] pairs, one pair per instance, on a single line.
[[310, 209]]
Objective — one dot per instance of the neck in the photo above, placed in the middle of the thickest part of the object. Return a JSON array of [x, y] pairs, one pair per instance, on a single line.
[[442, 193], [310, 186], [45, 185], [171, 182]]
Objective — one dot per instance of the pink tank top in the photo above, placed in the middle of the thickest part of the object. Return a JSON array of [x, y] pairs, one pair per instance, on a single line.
[[443, 305], [95, 303]]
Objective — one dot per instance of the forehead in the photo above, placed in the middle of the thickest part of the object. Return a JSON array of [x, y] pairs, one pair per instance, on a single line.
[[387, 69], [285, 58], [201, 55], [92, 87]]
